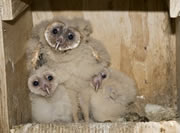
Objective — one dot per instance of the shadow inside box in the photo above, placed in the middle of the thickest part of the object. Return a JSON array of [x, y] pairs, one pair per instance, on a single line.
[[100, 5]]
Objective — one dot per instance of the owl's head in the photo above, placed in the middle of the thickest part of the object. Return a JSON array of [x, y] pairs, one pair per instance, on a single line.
[[43, 82], [61, 37], [61, 33]]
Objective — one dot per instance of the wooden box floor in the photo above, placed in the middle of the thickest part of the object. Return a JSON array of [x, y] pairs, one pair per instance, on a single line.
[[127, 127]]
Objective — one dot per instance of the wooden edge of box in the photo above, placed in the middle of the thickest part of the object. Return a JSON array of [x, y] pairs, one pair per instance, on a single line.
[[178, 60], [126, 127], [174, 8], [4, 123], [12, 8], [13, 34]]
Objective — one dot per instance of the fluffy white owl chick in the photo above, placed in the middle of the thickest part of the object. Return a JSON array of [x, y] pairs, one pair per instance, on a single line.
[[49, 98], [116, 91]]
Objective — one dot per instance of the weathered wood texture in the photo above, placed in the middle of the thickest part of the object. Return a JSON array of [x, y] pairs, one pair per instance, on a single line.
[[174, 8], [138, 34], [4, 123], [15, 105], [12, 8], [150, 127], [178, 59]]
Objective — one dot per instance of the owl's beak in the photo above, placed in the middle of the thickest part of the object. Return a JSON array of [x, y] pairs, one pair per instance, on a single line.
[[96, 82], [97, 86], [59, 42], [47, 90], [57, 46]]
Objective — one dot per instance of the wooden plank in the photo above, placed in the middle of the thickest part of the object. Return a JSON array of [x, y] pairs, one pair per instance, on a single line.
[[149, 127], [174, 8], [16, 31], [12, 8], [14, 86], [4, 123], [178, 59]]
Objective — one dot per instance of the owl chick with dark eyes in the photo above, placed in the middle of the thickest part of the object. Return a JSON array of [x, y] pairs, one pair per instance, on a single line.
[[49, 99], [116, 91], [66, 44]]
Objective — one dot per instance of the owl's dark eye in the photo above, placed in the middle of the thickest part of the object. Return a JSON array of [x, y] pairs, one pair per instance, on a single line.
[[70, 36], [35, 83], [103, 75], [54, 31], [50, 78]]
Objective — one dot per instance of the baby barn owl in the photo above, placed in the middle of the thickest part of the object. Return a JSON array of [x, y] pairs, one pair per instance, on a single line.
[[49, 99], [66, 43], [116, 91]]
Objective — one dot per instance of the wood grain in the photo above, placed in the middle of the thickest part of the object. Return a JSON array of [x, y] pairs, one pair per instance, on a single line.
[[4, 119], [12, 8], [138, 35], [148, 127], [16, 104]]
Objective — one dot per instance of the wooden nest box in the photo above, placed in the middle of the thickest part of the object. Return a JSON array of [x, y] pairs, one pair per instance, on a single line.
[[142, 37]]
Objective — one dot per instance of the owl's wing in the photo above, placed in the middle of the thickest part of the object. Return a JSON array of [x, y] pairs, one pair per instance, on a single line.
[[32, 52], [100, 52], [34, 46], [120, 88]]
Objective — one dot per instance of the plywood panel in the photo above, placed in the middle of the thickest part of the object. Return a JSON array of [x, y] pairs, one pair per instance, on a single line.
[[138, 35], [44, 11], [14, 92]]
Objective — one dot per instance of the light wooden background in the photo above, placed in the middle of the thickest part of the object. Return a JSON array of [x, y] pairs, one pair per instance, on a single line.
[[138, 35]]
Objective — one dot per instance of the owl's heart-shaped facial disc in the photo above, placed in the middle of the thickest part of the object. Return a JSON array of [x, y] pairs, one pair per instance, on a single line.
[[62, 38]]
